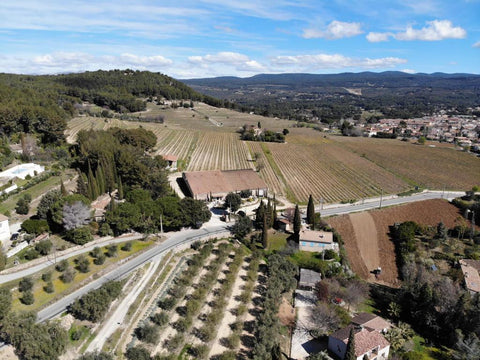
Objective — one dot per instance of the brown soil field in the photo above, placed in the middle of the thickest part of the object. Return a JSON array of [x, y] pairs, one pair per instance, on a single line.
[[354, 234]]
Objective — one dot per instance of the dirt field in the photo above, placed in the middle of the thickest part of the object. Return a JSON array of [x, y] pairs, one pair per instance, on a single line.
[[365, 251]]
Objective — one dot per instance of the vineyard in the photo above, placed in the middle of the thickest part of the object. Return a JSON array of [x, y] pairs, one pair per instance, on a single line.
[[430, 167], [219, 151], [332, 168]]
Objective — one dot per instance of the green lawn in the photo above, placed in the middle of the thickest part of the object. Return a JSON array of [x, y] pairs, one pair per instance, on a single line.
[[61, 288], [277, 240], [35, 191]]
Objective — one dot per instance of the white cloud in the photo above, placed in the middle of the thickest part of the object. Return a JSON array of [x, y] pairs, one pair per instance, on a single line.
[[378, 37], [335, 30], [334, 61], [434, 31], [239, 61], [62, 62], [476, 45], [408, 71]]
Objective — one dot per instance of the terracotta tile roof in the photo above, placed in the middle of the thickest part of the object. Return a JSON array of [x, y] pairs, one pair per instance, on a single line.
[[470, 273], [316, 236], [371, 321], [365, 340], [101, 202], [218, 181], [170, 157], [3, 217]]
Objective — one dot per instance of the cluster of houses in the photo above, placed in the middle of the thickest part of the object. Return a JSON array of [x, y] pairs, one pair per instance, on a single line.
[[461, 130], [368, 329]]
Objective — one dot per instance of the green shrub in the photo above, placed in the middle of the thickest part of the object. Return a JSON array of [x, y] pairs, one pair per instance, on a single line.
[[27, 298]]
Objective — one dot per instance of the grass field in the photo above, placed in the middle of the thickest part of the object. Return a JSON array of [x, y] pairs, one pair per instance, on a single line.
[[331, 168]]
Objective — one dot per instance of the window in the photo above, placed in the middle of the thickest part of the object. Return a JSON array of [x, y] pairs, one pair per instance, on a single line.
[[304, 243]]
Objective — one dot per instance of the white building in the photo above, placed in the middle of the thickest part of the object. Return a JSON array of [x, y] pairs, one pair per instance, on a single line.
[[4, 228], [369, 343]]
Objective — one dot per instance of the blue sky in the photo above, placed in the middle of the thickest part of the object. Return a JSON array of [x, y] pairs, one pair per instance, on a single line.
[[205, 38]]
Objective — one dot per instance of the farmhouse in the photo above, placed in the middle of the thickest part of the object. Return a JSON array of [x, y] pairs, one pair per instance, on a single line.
[[4, 228], [316, 241], [368, 343], [216, 184], [470, 269]]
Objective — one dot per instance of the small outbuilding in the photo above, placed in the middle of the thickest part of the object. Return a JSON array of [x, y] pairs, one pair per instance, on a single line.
[[171, 160], [308, 279]]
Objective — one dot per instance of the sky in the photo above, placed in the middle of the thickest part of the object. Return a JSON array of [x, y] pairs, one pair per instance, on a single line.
[[207, 38]]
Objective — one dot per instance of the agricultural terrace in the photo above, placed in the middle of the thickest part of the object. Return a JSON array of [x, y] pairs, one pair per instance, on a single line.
[[205, 307], [431, 167]]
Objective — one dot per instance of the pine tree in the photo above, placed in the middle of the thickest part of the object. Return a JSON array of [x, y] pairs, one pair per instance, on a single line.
[[350, 352], [63, 191], [81, 185], [265, 233], [297, 223], [311, 212]]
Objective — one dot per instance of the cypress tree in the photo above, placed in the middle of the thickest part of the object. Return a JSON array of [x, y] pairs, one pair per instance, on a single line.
[[297, 223], [311, 212], [274, 213], [269, 213], [265, 233], [63, 191], [350, 352], [92, 185], [120, 188], [81, 185], [100, 177], [260, 214]]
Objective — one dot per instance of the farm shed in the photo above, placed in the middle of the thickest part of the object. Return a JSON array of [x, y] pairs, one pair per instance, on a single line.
[[316, 241], [171, 160], [216, 184], [308, 279]]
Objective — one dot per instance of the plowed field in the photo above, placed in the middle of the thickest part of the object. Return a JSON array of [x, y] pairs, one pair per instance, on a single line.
[[369, 248]]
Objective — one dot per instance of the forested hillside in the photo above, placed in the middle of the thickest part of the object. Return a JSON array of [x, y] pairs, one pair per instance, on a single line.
[[42, 104], [331, 97]]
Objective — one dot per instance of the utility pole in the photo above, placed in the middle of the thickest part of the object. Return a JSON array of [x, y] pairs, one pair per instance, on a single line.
[[443, 192], [381, 198], [321, 203]]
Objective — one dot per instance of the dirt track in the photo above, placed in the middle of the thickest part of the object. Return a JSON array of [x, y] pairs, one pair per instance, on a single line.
[[356, 230]]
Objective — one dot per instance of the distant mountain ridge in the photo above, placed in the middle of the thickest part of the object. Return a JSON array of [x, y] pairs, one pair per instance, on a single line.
[[331, 97]]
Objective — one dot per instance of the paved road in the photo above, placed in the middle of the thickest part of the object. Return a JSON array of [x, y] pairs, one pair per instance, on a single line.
[[50, 260], [172, 242], [369, 204]]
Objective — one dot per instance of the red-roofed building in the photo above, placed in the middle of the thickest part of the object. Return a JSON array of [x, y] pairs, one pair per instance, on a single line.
[[171, 160], [216, 184], [367, 342]]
